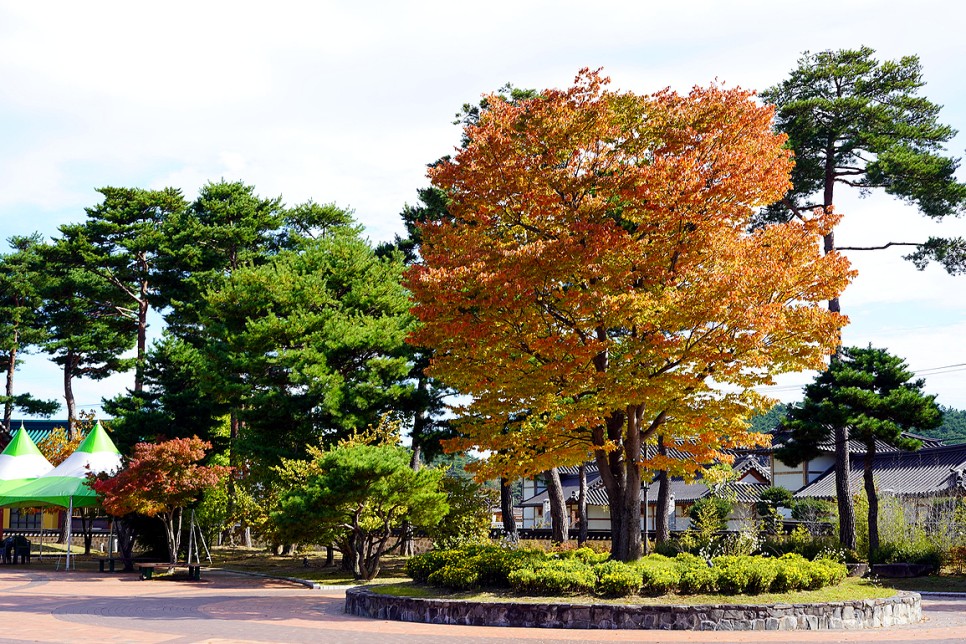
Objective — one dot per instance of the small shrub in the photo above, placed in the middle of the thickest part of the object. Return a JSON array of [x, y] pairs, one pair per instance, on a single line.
[[733, 574], [422, 566], [659, 575], [696, 575], [455, 577], [617, 579], [560, 577], [792, 573], [494, 565]]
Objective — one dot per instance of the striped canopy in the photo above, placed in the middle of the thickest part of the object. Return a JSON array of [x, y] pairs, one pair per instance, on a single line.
[[21, 462], [67, 483]]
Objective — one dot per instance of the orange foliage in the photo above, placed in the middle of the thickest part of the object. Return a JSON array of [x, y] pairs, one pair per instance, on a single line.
[[56, 447], [598, 262]]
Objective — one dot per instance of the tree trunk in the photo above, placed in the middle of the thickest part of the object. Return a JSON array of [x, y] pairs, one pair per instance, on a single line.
[[69, 396], [408, 547], [582, 505], [611, 468], [142, 337], [842, 464], [11, 368], [506, 508], [559, 521], [662, 531], [125, 542], [630, 544], [873, 501], [87, 528], [329, 556], [62, 525], [842, 489]]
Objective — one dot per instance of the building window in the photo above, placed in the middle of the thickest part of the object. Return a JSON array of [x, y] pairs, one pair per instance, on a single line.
[[21, 520]]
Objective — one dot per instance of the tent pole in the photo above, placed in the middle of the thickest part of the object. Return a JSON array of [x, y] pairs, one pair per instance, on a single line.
[[70, 524], [41, 555]]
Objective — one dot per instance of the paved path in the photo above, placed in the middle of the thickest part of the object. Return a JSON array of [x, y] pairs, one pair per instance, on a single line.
[[38, 606]]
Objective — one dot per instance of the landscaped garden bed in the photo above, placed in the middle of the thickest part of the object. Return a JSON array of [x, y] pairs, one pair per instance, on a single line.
[[489, 585]]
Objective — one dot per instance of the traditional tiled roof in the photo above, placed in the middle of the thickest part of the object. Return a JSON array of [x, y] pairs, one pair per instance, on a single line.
[[37, 429], [858, 447], [681, 490], [935, 471]]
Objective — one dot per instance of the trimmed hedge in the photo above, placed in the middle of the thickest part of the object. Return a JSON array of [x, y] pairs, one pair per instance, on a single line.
[[583, 571]]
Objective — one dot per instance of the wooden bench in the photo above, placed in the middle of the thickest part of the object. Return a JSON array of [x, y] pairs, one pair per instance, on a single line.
[[108, 561], [147, 570]]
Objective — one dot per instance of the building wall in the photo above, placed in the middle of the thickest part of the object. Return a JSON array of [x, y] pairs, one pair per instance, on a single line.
[[797, 477], [51, 519]]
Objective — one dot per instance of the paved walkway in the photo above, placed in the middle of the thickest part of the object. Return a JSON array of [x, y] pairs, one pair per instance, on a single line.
[[93, 607]]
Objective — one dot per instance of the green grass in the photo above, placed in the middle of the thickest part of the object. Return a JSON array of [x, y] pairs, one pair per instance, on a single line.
[[304, 565], [850, 589], [931, 583]]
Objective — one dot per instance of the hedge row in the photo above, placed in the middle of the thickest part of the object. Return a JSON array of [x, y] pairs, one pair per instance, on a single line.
[[584, 572]]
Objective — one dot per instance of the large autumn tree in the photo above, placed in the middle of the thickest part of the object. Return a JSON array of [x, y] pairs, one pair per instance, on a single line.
[[596, 280], [856, 122]]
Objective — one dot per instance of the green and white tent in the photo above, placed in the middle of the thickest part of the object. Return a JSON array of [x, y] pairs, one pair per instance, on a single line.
[[66, 485], [21, 462]]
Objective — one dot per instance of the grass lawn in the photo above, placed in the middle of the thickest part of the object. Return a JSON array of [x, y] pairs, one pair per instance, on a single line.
[[305, 565], [930, 583], [850, 589]]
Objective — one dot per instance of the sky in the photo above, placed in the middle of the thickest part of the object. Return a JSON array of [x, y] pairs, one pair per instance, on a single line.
[[347, 103]]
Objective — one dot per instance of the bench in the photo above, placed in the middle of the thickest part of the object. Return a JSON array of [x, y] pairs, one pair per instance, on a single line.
[[147, 570], [108, 561]]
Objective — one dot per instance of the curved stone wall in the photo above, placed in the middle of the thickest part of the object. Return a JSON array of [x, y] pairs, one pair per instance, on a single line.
[[904, 608]]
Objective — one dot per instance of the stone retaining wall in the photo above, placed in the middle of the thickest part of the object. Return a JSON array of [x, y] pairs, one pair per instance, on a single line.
[[903, 608]]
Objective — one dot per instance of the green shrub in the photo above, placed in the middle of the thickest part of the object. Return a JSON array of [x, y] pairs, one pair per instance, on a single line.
[[733, 574], [455, 577], [744, 574], [422, 566], [919, 551], [826, 572], [792, 574], [617, 579], [659, 575], [696, 575], [590, 556], [559, 577], [495, 564]]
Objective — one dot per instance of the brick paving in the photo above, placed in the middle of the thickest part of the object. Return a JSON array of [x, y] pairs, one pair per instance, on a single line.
[[43, 606]]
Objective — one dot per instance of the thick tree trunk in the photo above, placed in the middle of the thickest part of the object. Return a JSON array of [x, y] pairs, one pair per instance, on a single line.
[[662, 531], [842, 489], [62, 526], [629, 546], [582, 505], [611, 468], [125, 542], [506, 509], [559, 521], [873, 501], [69, 396], [142, 337], [11, 369]]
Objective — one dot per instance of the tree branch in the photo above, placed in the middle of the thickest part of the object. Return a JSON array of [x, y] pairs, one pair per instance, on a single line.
[[879, 247]]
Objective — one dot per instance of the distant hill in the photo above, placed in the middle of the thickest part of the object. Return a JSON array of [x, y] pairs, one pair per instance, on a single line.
[[951, 432]]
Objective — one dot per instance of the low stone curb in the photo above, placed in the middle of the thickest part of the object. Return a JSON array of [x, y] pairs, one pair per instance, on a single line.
[[904, 608]]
